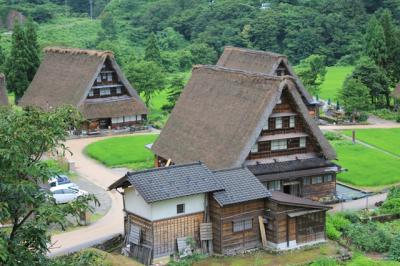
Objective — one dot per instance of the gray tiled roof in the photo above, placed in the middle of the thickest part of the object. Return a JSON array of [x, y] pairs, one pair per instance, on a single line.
[[174, 181], [240, 185]]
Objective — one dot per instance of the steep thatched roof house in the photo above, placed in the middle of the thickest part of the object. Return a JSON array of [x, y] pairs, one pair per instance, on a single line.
[[230, 118], [90, 80], [3, 90], [266, 63]]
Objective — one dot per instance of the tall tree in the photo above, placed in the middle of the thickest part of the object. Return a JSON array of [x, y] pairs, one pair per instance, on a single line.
[[147, 78], [312, 71], [25, 136], [175, 90], [32, 48], [355, 97], [374, 77], [152, 51], [376, 42], [18, 63], [392, 41]]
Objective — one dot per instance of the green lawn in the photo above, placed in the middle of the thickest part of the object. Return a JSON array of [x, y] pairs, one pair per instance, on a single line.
[[334, 79], [386, 139], [297, 257], [367, 167], [127, 152]]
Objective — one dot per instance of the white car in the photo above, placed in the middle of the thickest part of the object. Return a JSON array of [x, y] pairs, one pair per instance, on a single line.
[[64, 195], [62, 181]]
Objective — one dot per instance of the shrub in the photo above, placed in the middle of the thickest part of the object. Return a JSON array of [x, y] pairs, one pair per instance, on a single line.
[[339, 222], [394, 193], [386, 114], [331, 232], [333, 135], [362, 117], [394, 250], [324, 262], [369, 237]]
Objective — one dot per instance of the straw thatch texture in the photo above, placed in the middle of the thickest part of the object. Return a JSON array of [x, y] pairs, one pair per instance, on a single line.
[[112, 108], [215, 115], [3, 90], [65, 77], [259, 62], [220, 115]]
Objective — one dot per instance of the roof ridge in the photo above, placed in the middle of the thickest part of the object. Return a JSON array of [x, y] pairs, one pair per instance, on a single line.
[[164, 168], [77, 51], [229, 169], [243, 72], [254, 51]]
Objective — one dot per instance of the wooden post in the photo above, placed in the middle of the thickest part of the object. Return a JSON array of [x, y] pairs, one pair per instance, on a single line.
[[354, 136], [287, 230], [262, 231]]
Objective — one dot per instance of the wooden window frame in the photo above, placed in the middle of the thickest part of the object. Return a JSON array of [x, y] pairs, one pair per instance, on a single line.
[[280, 123], [180, 208], [239, 226], [279, 146], [303, 142], [292, 122]]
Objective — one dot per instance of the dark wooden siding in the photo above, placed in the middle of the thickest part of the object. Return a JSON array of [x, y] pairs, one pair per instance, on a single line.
[[225, 239], [166, 232]]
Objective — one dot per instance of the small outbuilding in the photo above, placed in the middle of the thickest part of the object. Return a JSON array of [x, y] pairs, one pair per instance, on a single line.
[[224, 211]]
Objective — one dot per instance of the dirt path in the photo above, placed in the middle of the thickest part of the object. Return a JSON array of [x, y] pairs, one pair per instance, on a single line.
[[374, 122], [108, 226], [354, 205]]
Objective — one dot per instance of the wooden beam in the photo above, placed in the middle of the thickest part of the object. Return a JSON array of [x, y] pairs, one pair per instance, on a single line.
[[168, 163], [262, 231]]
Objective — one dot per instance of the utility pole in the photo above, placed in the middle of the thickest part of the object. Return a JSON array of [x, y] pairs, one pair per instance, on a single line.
[[91, 8]]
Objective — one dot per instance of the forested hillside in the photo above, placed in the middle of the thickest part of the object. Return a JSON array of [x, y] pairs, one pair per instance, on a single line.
[[175, 34]]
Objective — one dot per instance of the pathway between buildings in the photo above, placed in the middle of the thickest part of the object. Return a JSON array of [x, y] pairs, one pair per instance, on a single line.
[[108, 226]]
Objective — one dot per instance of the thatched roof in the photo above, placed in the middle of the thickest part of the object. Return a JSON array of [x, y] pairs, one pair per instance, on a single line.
[[259, 62], [65, 77], [396, 92], [220, 115], [3, 90]]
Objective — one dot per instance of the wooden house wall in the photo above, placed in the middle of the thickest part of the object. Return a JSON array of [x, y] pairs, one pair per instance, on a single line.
[[318, 191], [278, 222], [225, 239], [145, 225], [264, 148], [165, 232]]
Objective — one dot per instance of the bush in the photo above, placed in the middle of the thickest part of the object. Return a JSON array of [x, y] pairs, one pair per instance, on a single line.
[[390, 206], [394, 193], [331, 232], [394, 251], [369, 237], [339, 222], [332, 135], [89, 257], [324, 262], [362, 117], [387, 114]]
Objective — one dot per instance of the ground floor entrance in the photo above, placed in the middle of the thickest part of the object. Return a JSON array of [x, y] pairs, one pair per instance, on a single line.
[[292, 188]]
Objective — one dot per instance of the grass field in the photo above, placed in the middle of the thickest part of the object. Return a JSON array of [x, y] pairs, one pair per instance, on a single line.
[[298, 257], [334, 79], [127, 152], [385, 139], [367, 167]]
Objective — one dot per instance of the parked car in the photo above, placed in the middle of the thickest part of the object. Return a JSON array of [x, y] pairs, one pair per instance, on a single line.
[[64, 195], [62, 181]]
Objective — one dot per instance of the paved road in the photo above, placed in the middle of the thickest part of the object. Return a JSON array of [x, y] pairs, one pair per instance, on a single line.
[[108, 226], [374, 122], [368, 202]]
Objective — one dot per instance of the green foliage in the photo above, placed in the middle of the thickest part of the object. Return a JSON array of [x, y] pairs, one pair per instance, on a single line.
[[17, 64], [89, 257], [324, 262], [369, 237], [336, 225], [331, 232], [147, 77], [175, 89], [152, 52], [32, 48], [187, 261], [386, 114], [312, 72], [394, 251], [25, 136], [361, 260], [355, 97], [373, 77], [376, 47], [202, 54], [330, 135]]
